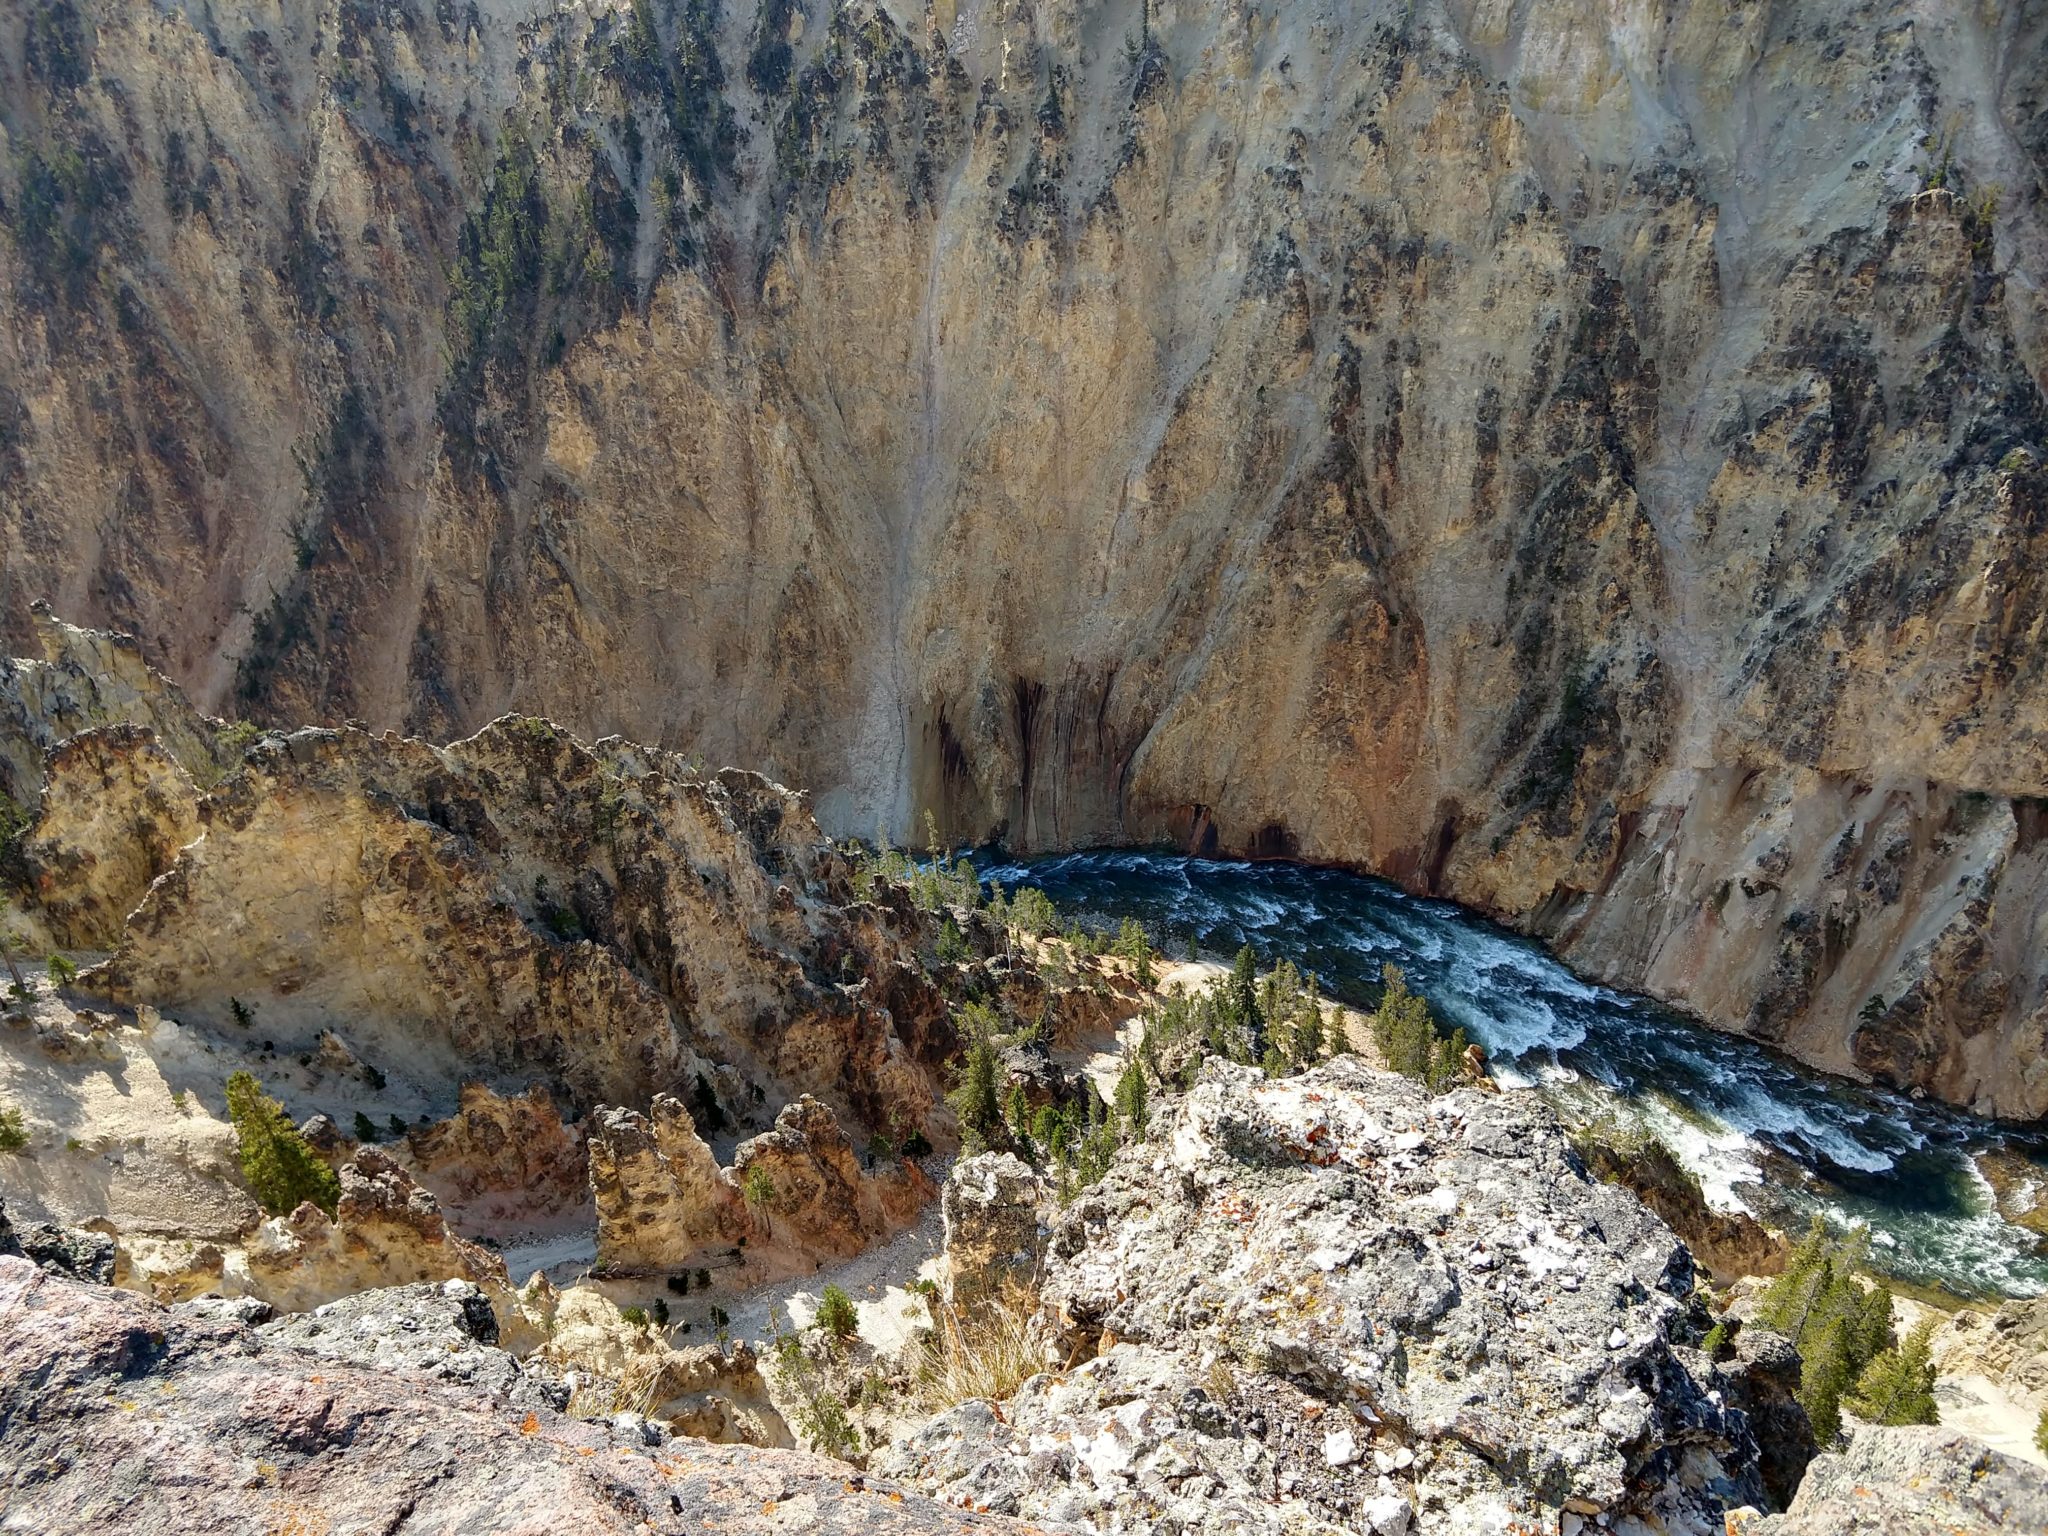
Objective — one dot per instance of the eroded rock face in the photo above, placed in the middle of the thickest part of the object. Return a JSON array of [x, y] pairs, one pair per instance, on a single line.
[[792, 1197], [502, 1158], [1409, 434], [363, 1418], [1332, 1290], [115, 810], [521, 901], [994, 1209], [386, 1231], [661, 1194], [822, 1199]]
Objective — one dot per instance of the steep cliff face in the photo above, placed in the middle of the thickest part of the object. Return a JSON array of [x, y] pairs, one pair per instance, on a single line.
[[1583, 459]]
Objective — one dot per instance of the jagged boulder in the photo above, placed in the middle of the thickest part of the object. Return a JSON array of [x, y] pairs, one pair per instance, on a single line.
[[385, 1413], [1761, 1382], [74, 1251], [448, 1331], [503, 1157], [1306, 1296], [386, 1231], [994, 1209], [819, 1199], [660, 1192], [1913, 1478]]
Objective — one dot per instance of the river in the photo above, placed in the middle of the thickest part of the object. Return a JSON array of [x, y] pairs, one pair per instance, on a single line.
[[1761, 1132]]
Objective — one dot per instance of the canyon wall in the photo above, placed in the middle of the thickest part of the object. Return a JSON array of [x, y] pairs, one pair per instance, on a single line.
[[1585, 459]]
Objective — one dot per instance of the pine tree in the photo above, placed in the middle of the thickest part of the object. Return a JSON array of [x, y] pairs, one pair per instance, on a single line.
[[1308, 1045], [976, 1101], [2041, 1433], [282, 1170], [1898, 1386], [1825, 1374], [1790, 1298], [1131, 1096], [1402, 1027], [1244, 1005], [837, 1315]]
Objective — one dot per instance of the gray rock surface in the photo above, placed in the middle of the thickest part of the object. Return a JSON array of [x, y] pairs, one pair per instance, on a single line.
[[995, 1233], [120, 1415], [1891, 1481], [446, 1332], [1312, 1299], [65, 1250]]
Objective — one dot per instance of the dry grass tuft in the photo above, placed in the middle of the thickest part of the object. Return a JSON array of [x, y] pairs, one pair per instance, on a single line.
[[987, 1353]]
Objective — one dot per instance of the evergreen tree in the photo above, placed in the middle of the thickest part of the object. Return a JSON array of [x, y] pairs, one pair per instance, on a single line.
[[1790, 1298], [1130, 1097], [1402, 1027], [2041, 1433], [1244, 1006], [1898, 1386], [1826, 1372], [1308, 1043], [837, 1315], [366, 1128], [1017, 1111], [281, 1168], [976, 1101]]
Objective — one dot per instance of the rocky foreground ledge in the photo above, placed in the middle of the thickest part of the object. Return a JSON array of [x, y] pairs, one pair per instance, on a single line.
[[117, 1414]]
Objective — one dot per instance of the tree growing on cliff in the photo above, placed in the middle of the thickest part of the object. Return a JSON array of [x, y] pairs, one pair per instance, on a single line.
[[1131, 1098], [837, 1315], [1134, 945], [1898, 1386], [1839, 1324], [976, 1100], [282, 1169]]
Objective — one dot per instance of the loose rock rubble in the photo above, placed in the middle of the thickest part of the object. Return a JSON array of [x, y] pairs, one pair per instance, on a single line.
[[1333, 1302]]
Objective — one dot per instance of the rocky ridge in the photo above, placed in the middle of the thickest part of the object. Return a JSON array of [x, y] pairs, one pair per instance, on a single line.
[[1332, 1302]]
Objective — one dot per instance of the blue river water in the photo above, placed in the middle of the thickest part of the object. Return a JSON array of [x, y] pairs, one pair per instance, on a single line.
[[1759, 1131]]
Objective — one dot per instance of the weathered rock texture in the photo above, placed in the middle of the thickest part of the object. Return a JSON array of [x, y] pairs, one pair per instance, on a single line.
[[386, 1231], [792, 1197], [1332, 1302], [993, 1207], [1912, 1479], [1583, 459], [520, 903], [116, 1414], [502, 1158]]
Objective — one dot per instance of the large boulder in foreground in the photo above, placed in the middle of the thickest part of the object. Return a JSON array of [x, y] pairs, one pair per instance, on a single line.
[[1333, 1302], [120, 1415], [1913, 1478]]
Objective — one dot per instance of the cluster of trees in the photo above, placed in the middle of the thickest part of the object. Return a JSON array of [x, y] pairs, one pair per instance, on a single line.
[[937, 882], [1075, 1142], [1407, 1035], [1843, 1328], [1277, 1024]]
